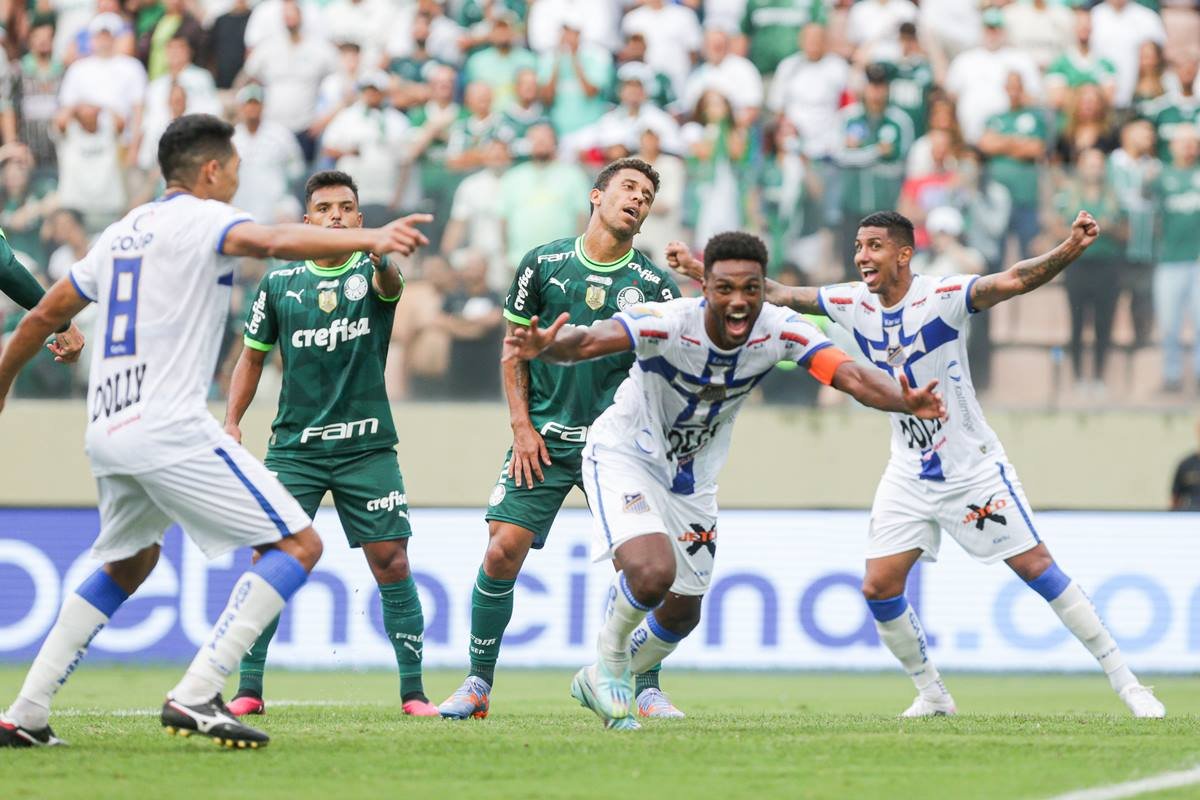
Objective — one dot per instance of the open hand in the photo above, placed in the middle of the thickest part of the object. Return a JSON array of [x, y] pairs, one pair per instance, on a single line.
[[402, 236], [67, 346], [923, 403], [526, 343], [1085, 229]]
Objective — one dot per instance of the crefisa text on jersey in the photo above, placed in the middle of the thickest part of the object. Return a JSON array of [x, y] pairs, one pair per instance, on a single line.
[[118, 392]]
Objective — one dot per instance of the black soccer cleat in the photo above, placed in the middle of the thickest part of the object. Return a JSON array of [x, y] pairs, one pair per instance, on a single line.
[[211, 719], [13, 735]]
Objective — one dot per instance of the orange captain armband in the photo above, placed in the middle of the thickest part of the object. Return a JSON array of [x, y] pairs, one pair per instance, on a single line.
[[825, 362]]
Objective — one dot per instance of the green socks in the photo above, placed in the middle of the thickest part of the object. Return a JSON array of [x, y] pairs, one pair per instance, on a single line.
[[491, 610], [405, 626], [648, 679], [250, 674]]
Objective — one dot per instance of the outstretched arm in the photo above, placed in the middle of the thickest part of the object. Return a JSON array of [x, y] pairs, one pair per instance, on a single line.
[[55, 310], [298, 241], [1027, 275], [566, 344], [797, 298], [871, 387]]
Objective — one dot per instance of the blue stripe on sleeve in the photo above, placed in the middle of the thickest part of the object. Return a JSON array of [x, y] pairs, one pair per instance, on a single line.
[[628, 332], [225, 232], [79, 288]]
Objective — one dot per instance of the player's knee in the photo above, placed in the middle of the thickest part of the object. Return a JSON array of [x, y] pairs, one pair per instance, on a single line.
[[305, 546], [651, 581], [390, 562], [874, 588], [506, 551]]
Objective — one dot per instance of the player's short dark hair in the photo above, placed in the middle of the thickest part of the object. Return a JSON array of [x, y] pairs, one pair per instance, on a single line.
[[898, 226], [636, 164], [735, 246], [190, 142], [326, 178]]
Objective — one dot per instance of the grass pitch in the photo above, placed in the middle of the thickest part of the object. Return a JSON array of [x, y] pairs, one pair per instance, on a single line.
[[753, 735]]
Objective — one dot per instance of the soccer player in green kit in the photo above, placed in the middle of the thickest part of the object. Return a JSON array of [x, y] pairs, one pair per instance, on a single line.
[[334, 431], [22, 288], [591, 277]]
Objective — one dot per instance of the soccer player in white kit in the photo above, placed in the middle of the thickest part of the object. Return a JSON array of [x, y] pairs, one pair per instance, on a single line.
[[162, 277], [950, 475], [651, 461]]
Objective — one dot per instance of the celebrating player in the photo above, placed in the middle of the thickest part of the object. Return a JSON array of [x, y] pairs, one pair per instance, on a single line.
[[651, 460], [591, 277], [162, 277], [25, 291], [948, 476], [332, 318]]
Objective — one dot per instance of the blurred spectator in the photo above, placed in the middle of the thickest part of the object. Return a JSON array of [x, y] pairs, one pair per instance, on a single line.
[[411, 65], [499, 64], [227, 44], [986, 206], [717, 154], [952, 26], [442, 33], [125, 41], [1177, 276], [199, 90], [477, 218], [1185, 487], [660, 91], [271, 160], [1079, 64], [428, 147], [1179, 108], [1088, 122], [771, 28], [36, 84], [977, 78], [367, 140], [920, 194], [672, 35], [367, 23], [338, 89], [1095, 283], [520, 115], [1041, 28], [596, 20], [90, 176], [875, 137], [733, 76], [785, 203], [27, 201], [420, 353], [290, 68], [66, 239], [910, 77], [268, 20], [1119, 27], [942, 117], [616, 134], [946, 253], [474, 14], [665, 222], [574, 78], [473, 317], [542, 199], [1132, 169], [808, 88], [874, 27], [468, 133], [787, 384], [1015, 141], [1151, 85], [144, 180], [105, 79], [176, 22]]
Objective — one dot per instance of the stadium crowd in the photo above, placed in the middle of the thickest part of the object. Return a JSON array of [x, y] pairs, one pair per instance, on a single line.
[[989, 124]]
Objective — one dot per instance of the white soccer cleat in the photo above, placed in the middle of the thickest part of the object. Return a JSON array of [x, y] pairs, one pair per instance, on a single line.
[[1142, 702], [653, 702], [928, 707], [584, 688]]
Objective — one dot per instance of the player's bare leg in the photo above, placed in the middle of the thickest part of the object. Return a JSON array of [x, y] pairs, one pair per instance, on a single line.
[[84, 614], [1037, 568], [901, 632], [655, 638], [491, 610], [402, 619]]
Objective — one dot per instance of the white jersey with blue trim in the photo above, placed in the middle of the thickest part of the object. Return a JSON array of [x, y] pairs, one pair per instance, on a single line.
[[675, 411], [163, 286], [923, 337]]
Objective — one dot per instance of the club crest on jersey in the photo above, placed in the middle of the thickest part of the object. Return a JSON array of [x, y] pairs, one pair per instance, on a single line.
[[327, 295], [713, 393], [629, 296], [356, 287], [595, 297], [896, 356], [635, 504]]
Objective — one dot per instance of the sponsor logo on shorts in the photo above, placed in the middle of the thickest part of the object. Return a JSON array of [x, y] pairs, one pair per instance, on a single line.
[[986, 513], [340, 430], [700, 537], [564, 432], [497, 495], [635, 504], [391, 501]]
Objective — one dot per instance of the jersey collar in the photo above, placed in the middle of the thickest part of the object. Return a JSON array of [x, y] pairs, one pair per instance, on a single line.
[[333, 272], [599, 266]]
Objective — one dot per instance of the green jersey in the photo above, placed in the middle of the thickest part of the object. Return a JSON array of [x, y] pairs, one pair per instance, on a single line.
[[333, 329], [1178, 193], [872, 157], [513, 129], [1076, 69], [773, 28], [911, 81], [1019, 176], [558, 277], [1169, 114]]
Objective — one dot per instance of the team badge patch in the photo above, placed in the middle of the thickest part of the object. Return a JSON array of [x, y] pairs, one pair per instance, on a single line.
[[327, 296], [629, 296], [595, 297], [713, 393], [636, 504], [497, 495], [355, 288], [896, 356]]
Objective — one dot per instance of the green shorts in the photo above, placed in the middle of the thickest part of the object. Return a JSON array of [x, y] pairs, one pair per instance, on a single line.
[[368, 491], [534, 508]]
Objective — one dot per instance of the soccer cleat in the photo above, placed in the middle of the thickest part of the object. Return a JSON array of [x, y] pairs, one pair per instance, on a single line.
[[1142, 702], [614, 693], [583, 689], [468, 700], [211, 719], [13, 735], [420, 707], [652, 702], [243, 704], [926, 707]]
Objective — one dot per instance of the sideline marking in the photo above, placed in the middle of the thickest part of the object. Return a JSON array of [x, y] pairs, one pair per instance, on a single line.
[[148, 712], [1155, 783]]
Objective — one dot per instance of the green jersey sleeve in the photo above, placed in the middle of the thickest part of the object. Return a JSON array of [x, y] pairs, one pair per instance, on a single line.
[[15, 280], [524, 299], [262, 325]]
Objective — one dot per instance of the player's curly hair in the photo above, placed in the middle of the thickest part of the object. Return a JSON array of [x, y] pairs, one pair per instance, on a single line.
[[606, 174], [190, 142], [898, 226], [735, 246], [326, 178]]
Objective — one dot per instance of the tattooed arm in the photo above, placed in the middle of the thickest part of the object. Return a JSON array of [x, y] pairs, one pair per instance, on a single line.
[[1027, 275]]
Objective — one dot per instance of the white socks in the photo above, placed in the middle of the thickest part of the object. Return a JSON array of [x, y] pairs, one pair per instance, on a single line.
[[1079, 615], [650, 644], [905, 637], [623, 616], [252, 605]]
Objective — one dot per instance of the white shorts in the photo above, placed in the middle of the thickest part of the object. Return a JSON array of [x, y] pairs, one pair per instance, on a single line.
[[989, 518], [627, 501], [223, 498]]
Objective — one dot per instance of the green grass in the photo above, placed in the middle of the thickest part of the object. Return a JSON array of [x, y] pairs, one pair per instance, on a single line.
[[748, 734]]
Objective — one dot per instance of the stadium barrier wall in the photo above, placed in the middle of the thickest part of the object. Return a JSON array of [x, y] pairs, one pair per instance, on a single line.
[[781, 458], [785, 595]]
